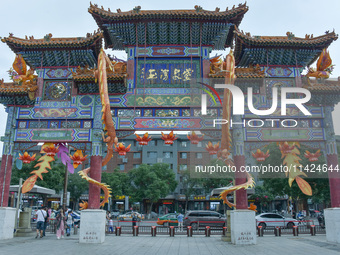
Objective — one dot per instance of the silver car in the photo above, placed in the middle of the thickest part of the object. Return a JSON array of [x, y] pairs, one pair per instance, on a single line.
[[275, 220]]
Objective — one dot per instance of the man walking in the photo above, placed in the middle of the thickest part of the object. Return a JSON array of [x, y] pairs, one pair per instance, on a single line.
[[41, 215], [180, 222]]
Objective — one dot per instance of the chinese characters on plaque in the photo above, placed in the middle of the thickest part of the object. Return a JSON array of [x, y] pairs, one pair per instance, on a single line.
[[167, 73]]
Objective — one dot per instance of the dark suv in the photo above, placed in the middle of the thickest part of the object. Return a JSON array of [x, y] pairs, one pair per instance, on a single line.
[[204, 218]]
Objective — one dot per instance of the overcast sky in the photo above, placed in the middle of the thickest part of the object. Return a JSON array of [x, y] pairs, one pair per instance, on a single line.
[[71, 19]]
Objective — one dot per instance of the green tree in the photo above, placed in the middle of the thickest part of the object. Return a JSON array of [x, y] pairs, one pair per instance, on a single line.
[[118, 182], [151, 182], [277, 183], [190, 186], [76, 186], [54, 179]]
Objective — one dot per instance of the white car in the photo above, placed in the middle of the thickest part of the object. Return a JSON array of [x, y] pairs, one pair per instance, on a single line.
[[128, 216], [275, 220]]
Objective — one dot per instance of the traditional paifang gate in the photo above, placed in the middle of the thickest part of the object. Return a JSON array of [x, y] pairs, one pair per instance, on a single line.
[[159, 87]]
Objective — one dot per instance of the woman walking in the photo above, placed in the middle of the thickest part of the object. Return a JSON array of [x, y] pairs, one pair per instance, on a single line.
[[60, 224]]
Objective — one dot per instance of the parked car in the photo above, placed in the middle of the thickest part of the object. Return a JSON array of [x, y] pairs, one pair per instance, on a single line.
[[168, 219], [204, 218], [76, 218], [275, 220], [128, 216], [115, 213]]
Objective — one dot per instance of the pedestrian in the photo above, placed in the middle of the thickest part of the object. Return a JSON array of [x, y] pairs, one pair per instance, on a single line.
[[69, 222], [110, 225], [134, 220], [47, 219], [41, 215], [60, 218], [180, 222], [108, 217]]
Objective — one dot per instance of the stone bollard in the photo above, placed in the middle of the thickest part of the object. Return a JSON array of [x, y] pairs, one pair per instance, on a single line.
[[153, 230], [295, 231], [260, 231], [75, 230], [189, 231], [312, 230], [135, 231], [118, 231], [277, 231]]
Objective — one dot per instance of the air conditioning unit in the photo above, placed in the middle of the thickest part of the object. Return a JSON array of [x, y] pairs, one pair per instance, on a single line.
[[124, 160], [159, 160]]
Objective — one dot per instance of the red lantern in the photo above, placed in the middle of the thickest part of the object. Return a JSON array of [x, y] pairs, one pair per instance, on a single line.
[[77, 158], [212, 149], [194, 138], [260, 156], [26, 158], [121, 149], [144, 139], [312, 157], [170, 138]]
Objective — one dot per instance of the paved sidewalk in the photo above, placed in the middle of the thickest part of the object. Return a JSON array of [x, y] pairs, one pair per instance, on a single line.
[[128, 245]]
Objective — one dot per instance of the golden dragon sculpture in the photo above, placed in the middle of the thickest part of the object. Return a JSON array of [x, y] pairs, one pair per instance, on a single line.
[[226, 136], [109, 127]]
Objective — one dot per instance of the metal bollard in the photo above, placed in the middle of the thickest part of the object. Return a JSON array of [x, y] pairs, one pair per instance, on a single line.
[[172, 231], [312, 230], [207, 231], [260, 230], [225, 229], [189, 231], [295, 231], [135, 230], [153, 230], [277, 231], [118, 231]]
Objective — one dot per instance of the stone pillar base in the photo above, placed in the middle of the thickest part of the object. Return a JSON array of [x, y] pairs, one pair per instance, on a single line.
[[92, 228], [7, 221], [332, 222], [24, 228], [243, 227]]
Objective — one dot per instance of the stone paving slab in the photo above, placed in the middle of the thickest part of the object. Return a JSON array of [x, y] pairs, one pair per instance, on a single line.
[[197, 245]]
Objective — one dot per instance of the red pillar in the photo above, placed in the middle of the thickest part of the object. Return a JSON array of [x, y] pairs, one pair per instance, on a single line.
[[334, 180], [95, 173], [240, 178], [5, 179]]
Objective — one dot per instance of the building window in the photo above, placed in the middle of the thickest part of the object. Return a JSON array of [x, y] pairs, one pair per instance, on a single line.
[[184, 144], [183, 167], [136, 155], [135, 165], [214, 156], [198, 155], [199, 144], [121, 167], [167, 154], [152, 154], [121, 156], [184, 155], [153, 143]]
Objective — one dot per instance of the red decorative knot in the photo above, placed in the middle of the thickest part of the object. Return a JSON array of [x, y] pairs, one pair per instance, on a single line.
[[260, 156], [170, 138], [51, 150], [144, 140], [121, 149], [77, 158], [285, 148], [26, 158], [194, 139], [212, 149], [312, 157]]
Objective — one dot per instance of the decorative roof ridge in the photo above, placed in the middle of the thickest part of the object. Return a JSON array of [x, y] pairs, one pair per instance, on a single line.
[[198, 11], [49, 40], [289, 37], [82, 72], [13, 87]]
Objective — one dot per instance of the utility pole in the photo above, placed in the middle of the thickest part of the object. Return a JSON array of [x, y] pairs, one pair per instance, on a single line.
[[65, 188]]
